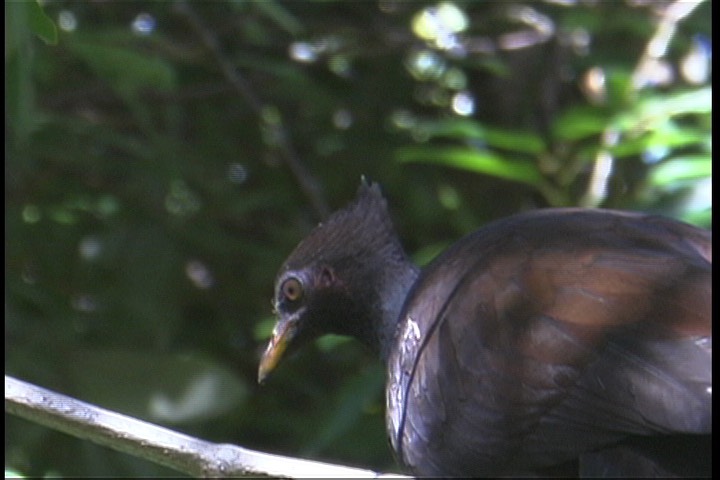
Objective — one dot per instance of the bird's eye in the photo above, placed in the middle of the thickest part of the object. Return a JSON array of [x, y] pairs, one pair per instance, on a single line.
[[292, 289]]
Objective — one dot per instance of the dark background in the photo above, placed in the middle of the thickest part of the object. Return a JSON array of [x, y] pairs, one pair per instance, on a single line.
[[162, 158]]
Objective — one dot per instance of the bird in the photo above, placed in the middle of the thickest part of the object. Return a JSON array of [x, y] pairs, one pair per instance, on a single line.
[[553, 342]]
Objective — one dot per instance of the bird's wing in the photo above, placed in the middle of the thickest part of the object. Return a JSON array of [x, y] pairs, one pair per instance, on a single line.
[[549, 335]]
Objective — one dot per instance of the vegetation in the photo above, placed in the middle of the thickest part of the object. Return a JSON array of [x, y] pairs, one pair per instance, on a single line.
[[162, 158]]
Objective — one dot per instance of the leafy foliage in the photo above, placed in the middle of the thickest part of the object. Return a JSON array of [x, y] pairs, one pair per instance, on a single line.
[[162, 158]]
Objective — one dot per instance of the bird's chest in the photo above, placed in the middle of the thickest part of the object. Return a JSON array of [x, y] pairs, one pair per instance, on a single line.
[[434, 412], [454, 404]]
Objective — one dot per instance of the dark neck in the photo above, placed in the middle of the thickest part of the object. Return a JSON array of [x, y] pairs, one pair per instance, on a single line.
[[397, 279]]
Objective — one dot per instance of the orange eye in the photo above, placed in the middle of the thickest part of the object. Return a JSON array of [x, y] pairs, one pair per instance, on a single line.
[[292, 289]]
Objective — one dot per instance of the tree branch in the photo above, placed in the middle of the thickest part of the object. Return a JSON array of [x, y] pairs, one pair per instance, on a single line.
[[175, 450], [279, 135]]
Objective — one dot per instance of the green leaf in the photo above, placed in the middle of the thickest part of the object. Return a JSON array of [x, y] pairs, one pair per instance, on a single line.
[[20, 65], [701, 218], [658, 108], [666, 136], [40, 24], [331, 341], [478, 161], [428, 253], [580, 122], [278, 14], [127, 71], [466, 129], [647, 113], [689, 167], [263, 328]]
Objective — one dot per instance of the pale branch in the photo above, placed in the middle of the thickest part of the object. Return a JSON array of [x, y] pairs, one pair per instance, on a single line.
[[157, 444], [643, 76]]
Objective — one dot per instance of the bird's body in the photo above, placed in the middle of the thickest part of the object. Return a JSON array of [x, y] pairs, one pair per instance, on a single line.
[[560, 341], [566, 331]]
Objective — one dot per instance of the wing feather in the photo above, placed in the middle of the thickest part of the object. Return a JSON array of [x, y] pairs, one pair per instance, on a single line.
[[550, 334]]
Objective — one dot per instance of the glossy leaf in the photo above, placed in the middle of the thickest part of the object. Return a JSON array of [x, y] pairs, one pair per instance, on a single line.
[[466, 129], [681, 168], [580, 122], [40, 23], [477, 161]]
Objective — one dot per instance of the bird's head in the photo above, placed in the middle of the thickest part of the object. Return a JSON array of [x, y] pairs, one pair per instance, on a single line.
[[340, 279]]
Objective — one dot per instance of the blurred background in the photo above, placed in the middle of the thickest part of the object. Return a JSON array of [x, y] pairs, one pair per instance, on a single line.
[[162, 159]]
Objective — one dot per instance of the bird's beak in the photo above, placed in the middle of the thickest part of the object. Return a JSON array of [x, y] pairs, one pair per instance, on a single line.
[[283, 333]]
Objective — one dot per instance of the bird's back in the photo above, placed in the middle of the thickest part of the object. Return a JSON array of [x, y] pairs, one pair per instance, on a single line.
[[550, 334]]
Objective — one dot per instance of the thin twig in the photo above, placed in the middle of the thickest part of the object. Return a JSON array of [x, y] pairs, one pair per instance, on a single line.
[[656, 47], [642, 76], [307, 182]]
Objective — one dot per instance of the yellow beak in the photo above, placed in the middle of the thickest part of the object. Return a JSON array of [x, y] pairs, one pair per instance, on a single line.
[[282, 335]]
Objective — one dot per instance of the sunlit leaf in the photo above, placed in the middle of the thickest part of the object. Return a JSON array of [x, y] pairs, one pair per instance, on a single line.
[[40, 24], [681, 168], [477, 161], [701, 218], [667, 136], [263, 329], [426, 254], [329, 342], [466, 129], [658, 108], [580, 122]]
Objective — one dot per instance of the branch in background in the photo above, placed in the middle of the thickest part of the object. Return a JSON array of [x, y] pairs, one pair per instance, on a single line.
[[157, 444], [307, 182], [648, 68]]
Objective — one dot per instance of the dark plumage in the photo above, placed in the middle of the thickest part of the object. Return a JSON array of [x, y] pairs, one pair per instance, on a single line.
[[553, 342]]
